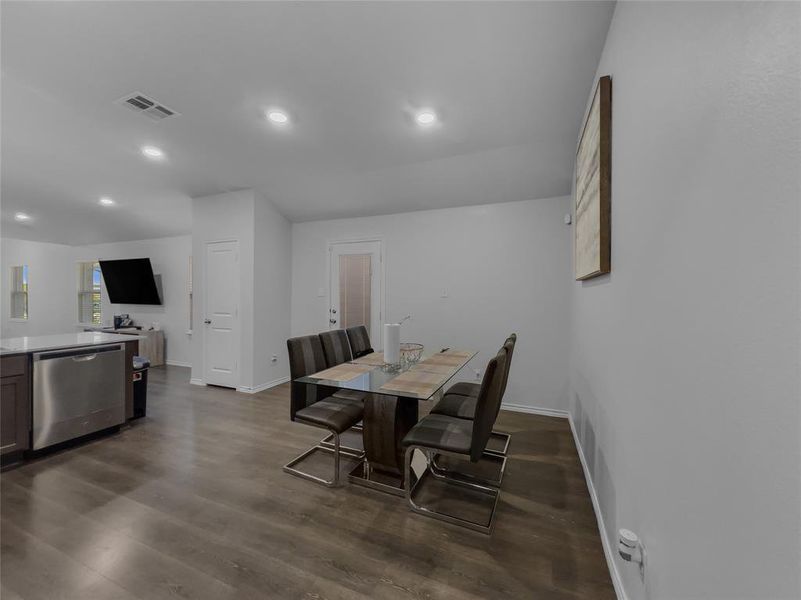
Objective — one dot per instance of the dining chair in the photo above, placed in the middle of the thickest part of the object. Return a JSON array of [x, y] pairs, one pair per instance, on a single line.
[[359, 341], [461, 439], [460, 399], [336, 348], [309, 405]]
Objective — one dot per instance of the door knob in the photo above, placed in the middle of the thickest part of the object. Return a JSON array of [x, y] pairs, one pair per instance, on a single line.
[[207, 321]]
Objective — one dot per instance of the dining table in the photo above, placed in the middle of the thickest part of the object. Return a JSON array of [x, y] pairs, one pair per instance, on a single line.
[[392, 396]]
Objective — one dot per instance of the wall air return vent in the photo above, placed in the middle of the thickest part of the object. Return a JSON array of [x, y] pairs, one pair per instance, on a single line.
[[146, 106]]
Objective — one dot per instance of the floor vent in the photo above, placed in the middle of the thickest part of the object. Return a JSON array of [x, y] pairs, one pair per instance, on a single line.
[[146, 106]]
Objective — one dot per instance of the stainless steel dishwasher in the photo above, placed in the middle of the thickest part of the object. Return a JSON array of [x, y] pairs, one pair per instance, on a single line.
[[76, 392]]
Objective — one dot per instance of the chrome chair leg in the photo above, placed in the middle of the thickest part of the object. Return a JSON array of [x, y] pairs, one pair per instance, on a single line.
[[328, 442], [410, 489], [507, 438], [290, 466], [444, 473]]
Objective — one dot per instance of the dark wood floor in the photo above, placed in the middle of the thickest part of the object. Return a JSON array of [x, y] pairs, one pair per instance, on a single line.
[[191, 502]]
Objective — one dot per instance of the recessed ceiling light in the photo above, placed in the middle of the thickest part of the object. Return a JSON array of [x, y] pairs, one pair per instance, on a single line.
[[152, 152], [21, 216], [277, 116], [105, 201], [426, 117]]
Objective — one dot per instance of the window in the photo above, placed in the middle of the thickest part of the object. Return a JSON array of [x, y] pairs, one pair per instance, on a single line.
[[19, 292], [89, 293]]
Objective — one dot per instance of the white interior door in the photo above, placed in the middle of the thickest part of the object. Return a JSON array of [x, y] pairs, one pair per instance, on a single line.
[[356, 290], [221, 323]]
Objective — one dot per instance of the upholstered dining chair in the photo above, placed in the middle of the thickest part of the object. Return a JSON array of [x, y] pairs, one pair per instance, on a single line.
[[459, 438], [460, 399], [309, 405], [336, 348], [359, 341]]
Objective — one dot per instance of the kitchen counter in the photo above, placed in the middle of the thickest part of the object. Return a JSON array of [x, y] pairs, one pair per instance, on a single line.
[[39, 343], [84, 387]]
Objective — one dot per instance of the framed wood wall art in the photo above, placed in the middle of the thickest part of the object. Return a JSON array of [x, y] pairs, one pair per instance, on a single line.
[[592, 245]]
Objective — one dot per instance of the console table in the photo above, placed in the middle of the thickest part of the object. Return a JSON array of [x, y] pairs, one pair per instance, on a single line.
[[151, 342]]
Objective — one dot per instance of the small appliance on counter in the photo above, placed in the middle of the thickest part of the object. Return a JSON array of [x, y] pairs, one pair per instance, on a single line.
[[121, 321]]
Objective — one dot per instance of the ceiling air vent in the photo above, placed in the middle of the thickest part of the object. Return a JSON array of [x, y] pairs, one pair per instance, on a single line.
[[147, 106]]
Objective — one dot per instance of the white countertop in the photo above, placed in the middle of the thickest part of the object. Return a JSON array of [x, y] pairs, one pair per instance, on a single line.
[[39, 343]]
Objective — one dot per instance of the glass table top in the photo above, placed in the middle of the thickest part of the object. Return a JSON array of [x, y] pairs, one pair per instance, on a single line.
[[417, 381]]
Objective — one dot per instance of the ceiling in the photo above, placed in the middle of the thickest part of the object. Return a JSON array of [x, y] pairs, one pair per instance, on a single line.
[[509, 81]]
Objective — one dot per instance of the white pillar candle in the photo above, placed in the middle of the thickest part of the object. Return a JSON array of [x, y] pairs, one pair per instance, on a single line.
[[392, 343]]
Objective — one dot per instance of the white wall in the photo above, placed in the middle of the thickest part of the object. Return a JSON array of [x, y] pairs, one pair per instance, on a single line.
[[685, 359], [272, 288], [52, 295], [264, 259], [170, 260], [224, 217], [505, 267], [53, 300]]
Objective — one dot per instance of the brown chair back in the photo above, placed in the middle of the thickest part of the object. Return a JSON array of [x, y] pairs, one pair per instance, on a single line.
[[305, 357], [488, 403], [509, 344], [336, 347], [359, 341]]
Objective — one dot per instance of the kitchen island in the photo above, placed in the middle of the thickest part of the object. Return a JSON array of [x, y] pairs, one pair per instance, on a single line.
[[56, 388]]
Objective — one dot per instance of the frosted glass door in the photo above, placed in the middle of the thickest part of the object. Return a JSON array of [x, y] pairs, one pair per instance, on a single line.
[[355, 295]]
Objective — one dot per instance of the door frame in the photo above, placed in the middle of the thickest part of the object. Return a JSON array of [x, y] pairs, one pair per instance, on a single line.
[[382, 305], [206, 244]]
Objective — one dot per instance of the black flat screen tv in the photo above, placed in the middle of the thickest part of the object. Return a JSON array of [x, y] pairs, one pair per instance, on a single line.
[[130, 281]]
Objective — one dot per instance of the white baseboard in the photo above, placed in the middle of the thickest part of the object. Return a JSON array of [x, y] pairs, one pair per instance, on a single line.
[[197, 381], [177, 363], [535, 410], [607, 544], [263, 386]]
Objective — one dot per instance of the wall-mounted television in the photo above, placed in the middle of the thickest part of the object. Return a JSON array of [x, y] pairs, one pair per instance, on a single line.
[[130, 281]]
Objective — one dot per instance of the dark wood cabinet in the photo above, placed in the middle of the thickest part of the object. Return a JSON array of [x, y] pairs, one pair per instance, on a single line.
[[15, 404]]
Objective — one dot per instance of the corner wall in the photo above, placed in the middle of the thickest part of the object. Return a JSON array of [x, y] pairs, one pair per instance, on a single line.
[[223, 217], [273, 290], [264, 260], [684, 379]]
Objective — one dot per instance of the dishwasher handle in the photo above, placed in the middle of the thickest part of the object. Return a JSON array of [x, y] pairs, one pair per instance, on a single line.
[[85, 357], [78, 354]]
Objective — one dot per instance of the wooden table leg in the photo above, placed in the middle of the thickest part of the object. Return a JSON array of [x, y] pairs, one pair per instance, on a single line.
[[387, 420]]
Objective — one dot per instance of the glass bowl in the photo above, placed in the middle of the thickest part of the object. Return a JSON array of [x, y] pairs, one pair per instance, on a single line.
[[410, 353]]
